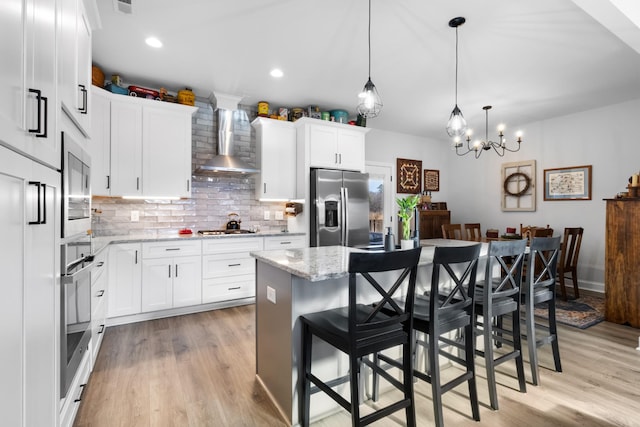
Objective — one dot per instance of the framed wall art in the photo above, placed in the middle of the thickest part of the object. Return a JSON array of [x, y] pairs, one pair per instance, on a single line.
[[519, 186], [409, 179], [431, 180], [571, 183]]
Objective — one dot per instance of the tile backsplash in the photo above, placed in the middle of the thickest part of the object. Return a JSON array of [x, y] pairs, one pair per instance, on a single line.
[[212, 198]]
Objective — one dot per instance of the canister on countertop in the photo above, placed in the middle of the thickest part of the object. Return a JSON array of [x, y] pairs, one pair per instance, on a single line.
[[263, 109]]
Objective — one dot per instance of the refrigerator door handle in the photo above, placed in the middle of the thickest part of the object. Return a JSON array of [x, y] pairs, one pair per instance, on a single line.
[[319, 219], [345, 216]]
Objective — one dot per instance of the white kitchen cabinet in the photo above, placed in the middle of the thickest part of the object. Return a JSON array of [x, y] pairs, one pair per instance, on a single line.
[[30, 263], [228, 271], [149, 146], [99, 295], [284, 242], [276, 158], [125, 279], [166, 148], [332, 145], [27, 71], [74, 62], [71, 403], [100, 143], [171, 275], [126, 147]]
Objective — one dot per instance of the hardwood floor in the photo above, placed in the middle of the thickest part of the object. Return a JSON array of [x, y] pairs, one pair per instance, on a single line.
[[199, 370]]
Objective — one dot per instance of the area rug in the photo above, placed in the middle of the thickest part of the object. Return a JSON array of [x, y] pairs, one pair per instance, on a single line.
[[580, 313]]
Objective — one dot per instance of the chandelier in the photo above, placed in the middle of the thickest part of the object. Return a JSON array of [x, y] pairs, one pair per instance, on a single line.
[[369, 102], [479, 146]]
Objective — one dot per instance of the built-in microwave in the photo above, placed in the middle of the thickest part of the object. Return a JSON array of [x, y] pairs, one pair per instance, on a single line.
[[76, 188]]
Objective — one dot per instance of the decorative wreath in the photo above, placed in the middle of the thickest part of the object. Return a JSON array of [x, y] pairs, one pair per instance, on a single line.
[[527, 184]]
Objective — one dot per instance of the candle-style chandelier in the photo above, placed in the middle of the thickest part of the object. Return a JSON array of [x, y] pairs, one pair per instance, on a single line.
[[478, 146]]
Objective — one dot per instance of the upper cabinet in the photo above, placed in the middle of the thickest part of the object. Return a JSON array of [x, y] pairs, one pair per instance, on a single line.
[[27, 70], [142, 147], [331, 145], [74, 62], [276, 158]]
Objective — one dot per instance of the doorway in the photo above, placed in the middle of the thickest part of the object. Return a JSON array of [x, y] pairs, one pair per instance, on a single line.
[[380, 200]]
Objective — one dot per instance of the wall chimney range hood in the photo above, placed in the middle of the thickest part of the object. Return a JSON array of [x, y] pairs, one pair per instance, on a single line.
[[225, 163]]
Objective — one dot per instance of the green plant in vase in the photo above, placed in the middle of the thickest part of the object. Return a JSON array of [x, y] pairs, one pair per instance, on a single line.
[[407, 209]]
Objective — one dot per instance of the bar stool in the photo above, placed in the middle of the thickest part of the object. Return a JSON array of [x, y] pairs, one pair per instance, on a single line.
[[496, 296], [539, 287], [447, 307], [361, 329]]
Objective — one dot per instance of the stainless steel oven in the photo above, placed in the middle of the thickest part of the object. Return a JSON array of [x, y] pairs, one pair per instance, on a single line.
[[75, 305], [76, 188]]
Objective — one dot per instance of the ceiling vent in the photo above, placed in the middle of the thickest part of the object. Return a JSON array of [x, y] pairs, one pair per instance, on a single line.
[[123, 6]]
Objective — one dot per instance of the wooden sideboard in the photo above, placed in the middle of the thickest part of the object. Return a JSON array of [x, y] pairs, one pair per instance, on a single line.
[[431, 223], [622, 262]]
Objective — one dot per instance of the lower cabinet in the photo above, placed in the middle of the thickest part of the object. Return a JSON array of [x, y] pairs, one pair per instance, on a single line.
[[284, 242], [431, 223], [125, 279], [171, 275], [228, 271], [171, 282], [74, 396], [99, 295]]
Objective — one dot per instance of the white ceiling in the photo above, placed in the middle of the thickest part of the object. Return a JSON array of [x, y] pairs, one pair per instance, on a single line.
[[531, 60]]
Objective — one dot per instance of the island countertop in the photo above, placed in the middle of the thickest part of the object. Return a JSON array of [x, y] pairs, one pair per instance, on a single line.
[[332, 262]]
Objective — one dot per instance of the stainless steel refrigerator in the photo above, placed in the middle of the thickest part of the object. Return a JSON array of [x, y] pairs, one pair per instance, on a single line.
[[339, 208]]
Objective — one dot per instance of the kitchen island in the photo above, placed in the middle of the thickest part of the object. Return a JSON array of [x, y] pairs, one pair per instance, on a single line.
[[293, 282]]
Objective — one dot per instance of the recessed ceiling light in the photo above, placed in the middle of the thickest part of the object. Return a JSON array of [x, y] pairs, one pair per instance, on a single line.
[[276, 72], [153, 42]]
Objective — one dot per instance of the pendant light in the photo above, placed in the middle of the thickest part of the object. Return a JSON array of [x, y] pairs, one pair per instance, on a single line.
[[369, 102], [457, 125]]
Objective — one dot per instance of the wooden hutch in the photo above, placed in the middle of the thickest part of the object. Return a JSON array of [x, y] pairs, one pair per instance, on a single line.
[[622, 261]]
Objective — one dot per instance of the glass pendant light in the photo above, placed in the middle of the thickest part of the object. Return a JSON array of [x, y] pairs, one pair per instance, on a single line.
[[457, 125], [369, 102]]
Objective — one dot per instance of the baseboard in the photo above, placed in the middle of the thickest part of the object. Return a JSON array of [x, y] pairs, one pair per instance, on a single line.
[[141, 317]]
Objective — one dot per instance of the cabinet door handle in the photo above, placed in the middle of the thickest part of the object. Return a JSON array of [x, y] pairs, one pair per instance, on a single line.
[[46, 114], [101, 329], [169, 270], [264, 190], [335, 157], [41, 204], [100, 293], [38, 100], [234, 265], [138, 183], [188, 185], [108, 182], [136, 257], [234, 289], [176, 270], [172, 249], [82, 387], [83, 109], [285, 243], [100, 264], [340, 158]]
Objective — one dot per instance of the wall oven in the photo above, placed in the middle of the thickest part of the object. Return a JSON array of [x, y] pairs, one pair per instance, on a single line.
[[75, 306], [76, 188]]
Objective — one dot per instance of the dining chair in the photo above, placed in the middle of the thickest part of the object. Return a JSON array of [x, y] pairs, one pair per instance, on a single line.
[[539, 287], [568, 263], [496, 296], [448, 306], [452, 231], [473, 232], [362, 328], [529, 231]]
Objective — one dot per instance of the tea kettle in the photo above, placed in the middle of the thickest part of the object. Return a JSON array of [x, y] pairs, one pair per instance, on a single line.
[[234, 221]]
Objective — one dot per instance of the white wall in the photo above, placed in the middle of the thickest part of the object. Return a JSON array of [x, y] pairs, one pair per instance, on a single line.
[[605, 138]]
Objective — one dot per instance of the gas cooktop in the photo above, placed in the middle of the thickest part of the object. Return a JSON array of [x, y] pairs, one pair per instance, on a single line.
[[220, 232]]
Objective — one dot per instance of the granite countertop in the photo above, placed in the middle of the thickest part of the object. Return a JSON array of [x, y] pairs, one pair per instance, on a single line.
[[101, 242], [332, 262]]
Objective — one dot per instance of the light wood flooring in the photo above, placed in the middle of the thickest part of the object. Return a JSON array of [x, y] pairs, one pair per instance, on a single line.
[[199, 370]]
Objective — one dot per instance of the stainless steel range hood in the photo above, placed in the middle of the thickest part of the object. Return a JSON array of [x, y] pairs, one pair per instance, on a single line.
[[225, 163]]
